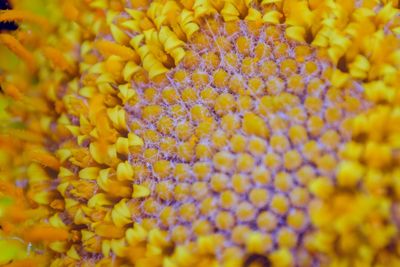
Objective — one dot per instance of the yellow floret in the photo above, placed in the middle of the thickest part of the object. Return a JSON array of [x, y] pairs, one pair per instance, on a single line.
[[224, 220], [253, 124], [259, 197], [238, 143], [349, 173], [219, 182], [283, 181], [230, 123], [292, 160], [279, 204], [243, 45], [296, 219], [223, 161], [279, 143], [261, 175], [220, 78], [162, 168], [228, 199], [240, 183], [201, 170], [267, 221], [224, 103], [286, 238], [180, 234], [244, 162], [299, 196], [257, 146], [188, 212], [183, 130]]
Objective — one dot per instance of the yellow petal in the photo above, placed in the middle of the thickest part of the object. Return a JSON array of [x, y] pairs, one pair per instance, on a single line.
[[296, 33], [99, 200], [120, 214], [124, 171], [253, 15], [272, 16], [140, 191], [230, 12], [349, 173], [89, 173], [136, 234], [109, 48]]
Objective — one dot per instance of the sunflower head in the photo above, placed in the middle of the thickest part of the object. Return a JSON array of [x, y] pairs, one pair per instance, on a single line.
[[199, 133]]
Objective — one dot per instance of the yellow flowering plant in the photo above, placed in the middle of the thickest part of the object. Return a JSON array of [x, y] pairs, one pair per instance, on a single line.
[[182, 133]]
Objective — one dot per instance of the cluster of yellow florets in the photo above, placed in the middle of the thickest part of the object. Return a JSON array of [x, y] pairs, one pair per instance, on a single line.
[[240, 134], [201, 133]]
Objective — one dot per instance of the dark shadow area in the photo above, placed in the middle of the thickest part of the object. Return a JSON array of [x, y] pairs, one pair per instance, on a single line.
[[257, 260], [10, 25]]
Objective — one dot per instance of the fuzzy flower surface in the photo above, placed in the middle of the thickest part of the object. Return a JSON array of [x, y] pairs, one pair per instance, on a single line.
[[200, 133]]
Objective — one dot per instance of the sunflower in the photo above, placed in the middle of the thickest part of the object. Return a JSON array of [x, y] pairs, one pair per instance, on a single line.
[[182, 133]]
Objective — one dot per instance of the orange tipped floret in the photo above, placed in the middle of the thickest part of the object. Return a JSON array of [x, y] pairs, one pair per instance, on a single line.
[[13, 91], [45, 158], [58, 60], [17, 48], [111, 48], [26, 16], [45, 233]]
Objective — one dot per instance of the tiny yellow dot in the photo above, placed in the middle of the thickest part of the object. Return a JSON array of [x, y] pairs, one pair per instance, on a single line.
[[189, 94], [261, 175], [286, 238], [267, 221], [296, 219], [244, 162], [181, 191], [199, 190], [292, 160], [240, 183], [230, 123], [305, 174], [201, 170], [224, 220], [239, 234], [272, 161], [279, 143], [185, 151], [163, 190], [257, 146], [298, 134], [180, 234], [207, 206], [299, 197], [188, 212], [259, 197], [168, 216], [279, 204], [268, 68], [208, 95], [245, 212], [223, 161], [201, 227], [224, 103], [228, 199], [183, 130], [220, 78], [283, 181], [219, 182], [249, 65], [243, 45]]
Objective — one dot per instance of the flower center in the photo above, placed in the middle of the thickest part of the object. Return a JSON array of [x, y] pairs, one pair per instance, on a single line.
[[236, 138]]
